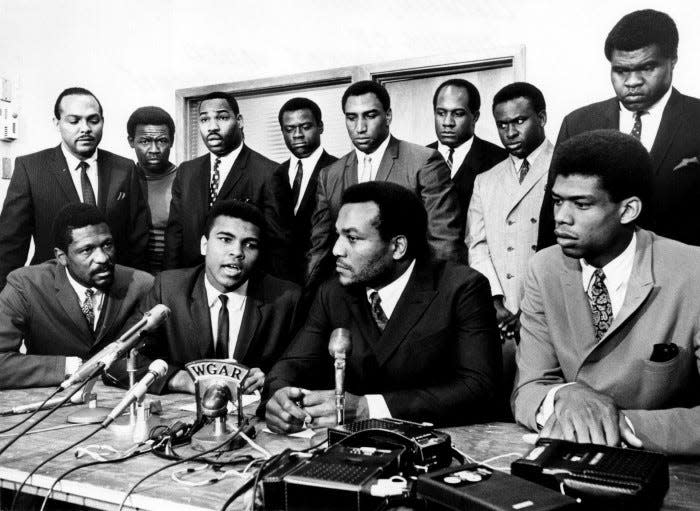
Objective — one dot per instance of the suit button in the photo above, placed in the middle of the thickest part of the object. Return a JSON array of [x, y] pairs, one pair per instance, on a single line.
[[511, 222], [509, 276], [533, 220], [509, 249]]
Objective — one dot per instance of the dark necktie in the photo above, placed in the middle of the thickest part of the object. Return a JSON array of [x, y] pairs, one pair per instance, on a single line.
[[214, 186], [637, 127], [450, 155], [601, 308], [377, 312], [296, 184], [524, 169], [222, 329], [85, 185], [88, 308]]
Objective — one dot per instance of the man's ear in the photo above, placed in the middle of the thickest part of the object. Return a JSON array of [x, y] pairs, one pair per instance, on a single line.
[[131, 142], [61, 256], [388, 117], [630, 209], [203, 245], [399, 246]]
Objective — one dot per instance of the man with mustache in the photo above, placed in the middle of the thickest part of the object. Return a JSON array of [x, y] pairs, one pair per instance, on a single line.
[[67, 309], [643, 50], [231, 170], [610, 337], [75, 171]]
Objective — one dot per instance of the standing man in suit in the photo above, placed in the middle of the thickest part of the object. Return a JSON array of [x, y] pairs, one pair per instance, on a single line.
[[67, 309], [456, 105], [231, 170], [75, 171], [225, 308], [302, 126], [151, 132], [378, 156], [610, 333], [643, 50], [423, 334]]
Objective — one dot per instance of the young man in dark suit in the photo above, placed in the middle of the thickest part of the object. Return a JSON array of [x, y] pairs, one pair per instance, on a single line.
[[456, 104], [424, 344], [231, 170], [225, 308], [302, 125], [75, 171], [67, 309], [643, 50]]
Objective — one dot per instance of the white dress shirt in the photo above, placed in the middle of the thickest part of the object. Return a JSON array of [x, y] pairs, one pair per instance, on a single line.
[[98, 296], [518, 162], [91, 171], [235, 306], [458, 156], [308, 165], [225, 165], [650, 120], [389, 295], [376, 160]]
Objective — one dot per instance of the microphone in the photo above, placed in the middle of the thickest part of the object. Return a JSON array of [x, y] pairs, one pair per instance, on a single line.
[[157, 369], [107, 355], [340, 346]]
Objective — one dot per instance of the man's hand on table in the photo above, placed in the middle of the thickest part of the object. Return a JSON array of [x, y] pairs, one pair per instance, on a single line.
[[254, 381], [585, 416]]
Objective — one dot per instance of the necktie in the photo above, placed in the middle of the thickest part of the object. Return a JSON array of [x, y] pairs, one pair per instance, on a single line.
[[366, 169], [524, 169], [88, 308], [222, 330], [450, 155], [214, 186], [85, 185], [600, 305], [637, 127], [296, 184], [377, 312]]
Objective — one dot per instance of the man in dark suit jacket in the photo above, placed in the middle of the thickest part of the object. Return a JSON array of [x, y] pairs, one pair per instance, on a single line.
[[260, 310], [643, 49], [301, 123], [378, 156], [44, 182], [456, 104], [45, 305], [424, 344], [240, 173]]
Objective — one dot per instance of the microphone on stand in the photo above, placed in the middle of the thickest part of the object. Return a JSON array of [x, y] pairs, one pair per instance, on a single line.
[[130, 339], [339, 347]]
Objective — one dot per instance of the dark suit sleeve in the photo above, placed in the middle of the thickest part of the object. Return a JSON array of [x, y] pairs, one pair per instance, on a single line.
[[279, 227], [17, 369], [470, 394], [173, 231], [16, 222], [138, 225]]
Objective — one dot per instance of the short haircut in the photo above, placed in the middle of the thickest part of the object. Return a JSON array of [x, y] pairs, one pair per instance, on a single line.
[[368, 87], [521, 90], [474, 99], [620, 161], [295, 104], [401, 212], [73, 91], [153, 115], [643, 28], [74, 216], [226, 96], [235, 208]]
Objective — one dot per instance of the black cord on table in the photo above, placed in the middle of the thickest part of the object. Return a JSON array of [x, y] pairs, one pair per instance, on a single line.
[[54, 456], [25, 419]]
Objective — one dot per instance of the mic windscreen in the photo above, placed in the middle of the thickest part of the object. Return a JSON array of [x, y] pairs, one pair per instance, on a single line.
[[339, 344], [156, 316], [158, 367]]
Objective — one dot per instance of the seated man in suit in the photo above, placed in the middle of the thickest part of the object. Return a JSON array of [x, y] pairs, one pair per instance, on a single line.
[[610, 338], [302, 126], [224, 308], [424, 344], [231, 170], [74, 171], [378, 156], [456, 104], [67, 309], [643, 50]]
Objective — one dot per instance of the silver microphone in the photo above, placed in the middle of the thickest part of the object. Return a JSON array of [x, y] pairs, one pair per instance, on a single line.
[[339, 347], [157, 369], [107, 355]]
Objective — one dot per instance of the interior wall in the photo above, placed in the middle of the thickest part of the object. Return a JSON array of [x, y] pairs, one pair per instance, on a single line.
[[132, 53]]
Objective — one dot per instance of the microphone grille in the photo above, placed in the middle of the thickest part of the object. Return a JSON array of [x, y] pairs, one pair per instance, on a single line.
[[158, 367], [340, 342]]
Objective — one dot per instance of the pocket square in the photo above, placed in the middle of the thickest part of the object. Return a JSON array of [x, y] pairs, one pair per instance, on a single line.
[[687, 161], [121, 195]]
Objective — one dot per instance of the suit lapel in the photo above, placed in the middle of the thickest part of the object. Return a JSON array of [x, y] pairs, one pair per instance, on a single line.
[[387, 163], [671, 121], [201, 321], [111, 309], [351, 175], [61, 172], [359, 307], [252, 316], [65, 294], [538, 169], [578, 310], [104, 181], [310, 191], [237, 171]]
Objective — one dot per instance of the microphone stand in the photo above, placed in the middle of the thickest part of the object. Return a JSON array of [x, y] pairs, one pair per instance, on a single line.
[[339, 390]]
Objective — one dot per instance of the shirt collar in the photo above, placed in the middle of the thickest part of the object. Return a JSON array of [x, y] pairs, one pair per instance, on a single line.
[[73, 162], [80, 289], [228, 160], [391, 293], [655, 109], [517, 162], [460, 151], [309, 162], [376, 156], [617, 271], [236, 298]]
